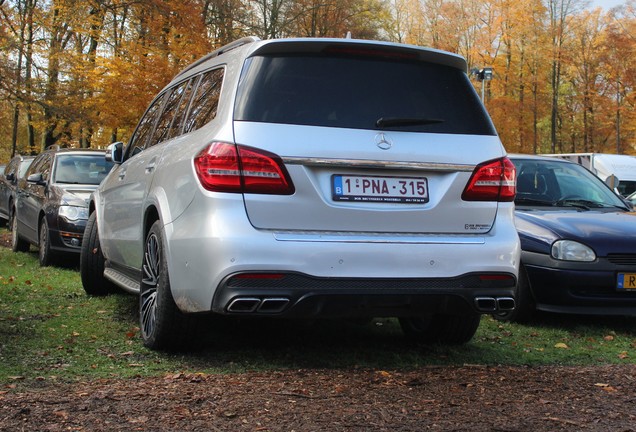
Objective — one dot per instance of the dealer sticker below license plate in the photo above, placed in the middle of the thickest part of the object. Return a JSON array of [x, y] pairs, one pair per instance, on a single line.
[[626, 281], [409, 190]]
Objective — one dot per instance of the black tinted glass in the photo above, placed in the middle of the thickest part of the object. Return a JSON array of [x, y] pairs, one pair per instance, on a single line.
[[355, 92], [206, 100], [177, 124], [168, 114], [140, 138]]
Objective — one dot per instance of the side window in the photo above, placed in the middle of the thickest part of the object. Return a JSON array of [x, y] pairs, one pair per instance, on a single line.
[[206, 100], [45, 168], [11, 167], [175, 128], [24, 166], [140, 138], [37, 165], [169, 111], [42, 165]]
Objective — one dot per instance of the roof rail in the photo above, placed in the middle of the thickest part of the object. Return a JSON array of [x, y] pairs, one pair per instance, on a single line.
[[225, 48]]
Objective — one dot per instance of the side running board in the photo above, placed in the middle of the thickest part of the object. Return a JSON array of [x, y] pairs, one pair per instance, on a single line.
[[122, 281]]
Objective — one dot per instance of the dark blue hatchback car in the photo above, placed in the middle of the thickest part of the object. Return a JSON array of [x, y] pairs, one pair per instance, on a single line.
[[578, 241]]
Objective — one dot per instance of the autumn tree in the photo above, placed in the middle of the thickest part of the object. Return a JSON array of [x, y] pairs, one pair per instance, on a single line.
[[81, 73]]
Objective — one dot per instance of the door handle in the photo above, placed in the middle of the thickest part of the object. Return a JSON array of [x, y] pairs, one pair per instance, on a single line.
[[151, 166]]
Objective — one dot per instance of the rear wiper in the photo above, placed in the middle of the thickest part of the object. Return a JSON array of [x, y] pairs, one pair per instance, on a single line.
[[383, 122]]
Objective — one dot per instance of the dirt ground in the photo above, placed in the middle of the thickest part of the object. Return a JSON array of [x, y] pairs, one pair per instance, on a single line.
[[468, 398]]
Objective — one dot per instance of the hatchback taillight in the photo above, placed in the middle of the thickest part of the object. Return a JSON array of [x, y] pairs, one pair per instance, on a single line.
[[492, 181], [225, 167]]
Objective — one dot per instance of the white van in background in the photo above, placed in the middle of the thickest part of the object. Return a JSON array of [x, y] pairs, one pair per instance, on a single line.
[[622, 167]]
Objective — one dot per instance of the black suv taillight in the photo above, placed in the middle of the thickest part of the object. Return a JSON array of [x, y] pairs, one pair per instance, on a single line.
[[492, 181], [225, 167]]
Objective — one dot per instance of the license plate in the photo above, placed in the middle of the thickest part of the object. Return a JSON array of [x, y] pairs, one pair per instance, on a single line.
[[626, 281], [409, 190]]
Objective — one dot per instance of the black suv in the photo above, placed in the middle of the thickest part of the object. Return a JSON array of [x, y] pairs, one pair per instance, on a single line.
[[51, 205], [14, 170]]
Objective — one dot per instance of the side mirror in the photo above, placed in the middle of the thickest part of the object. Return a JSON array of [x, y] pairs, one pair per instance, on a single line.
[[612, 181], [37, 179], [115, 152], [10, 177]]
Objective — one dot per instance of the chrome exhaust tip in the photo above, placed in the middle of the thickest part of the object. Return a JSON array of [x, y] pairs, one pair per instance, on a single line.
[[244, 305], [505, 304], [273, 305], [486, 304]]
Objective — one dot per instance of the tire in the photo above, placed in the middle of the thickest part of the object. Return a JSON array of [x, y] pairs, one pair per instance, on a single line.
[[442, 329], [163, 326], [45, 254], [92, 262], [525, 304], [17, 243]]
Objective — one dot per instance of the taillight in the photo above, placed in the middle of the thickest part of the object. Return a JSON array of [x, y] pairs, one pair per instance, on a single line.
[[225, 167], [492, 181]]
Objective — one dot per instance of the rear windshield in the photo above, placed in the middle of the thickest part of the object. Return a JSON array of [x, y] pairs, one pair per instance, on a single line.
[[356, 92]]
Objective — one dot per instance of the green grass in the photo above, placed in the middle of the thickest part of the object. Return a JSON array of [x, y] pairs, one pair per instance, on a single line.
[[50, 330]]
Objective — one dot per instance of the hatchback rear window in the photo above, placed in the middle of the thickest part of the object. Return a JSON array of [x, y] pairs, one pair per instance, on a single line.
[[356, 92]]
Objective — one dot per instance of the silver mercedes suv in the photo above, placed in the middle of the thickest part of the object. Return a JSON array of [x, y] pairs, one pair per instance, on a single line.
[[310, 178]]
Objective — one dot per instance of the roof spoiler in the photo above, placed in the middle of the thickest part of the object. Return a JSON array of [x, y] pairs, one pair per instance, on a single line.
[[225, 48]]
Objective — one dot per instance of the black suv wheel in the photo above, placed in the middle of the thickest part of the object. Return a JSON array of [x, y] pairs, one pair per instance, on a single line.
[[441, 328], [92, 262], [163, 325]]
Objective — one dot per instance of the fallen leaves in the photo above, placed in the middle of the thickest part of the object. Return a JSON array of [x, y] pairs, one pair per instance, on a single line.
[[606, 387]]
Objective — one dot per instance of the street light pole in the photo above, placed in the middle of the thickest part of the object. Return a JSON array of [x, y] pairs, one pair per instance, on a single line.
[[483, 74]]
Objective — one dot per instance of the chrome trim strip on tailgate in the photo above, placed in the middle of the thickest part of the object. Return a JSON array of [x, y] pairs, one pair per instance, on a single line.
[[346, 237], [364, 163]]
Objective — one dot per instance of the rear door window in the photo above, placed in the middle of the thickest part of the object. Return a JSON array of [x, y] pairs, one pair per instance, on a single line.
[[177, 123], [357, 91], [162, 130], [144, 129]]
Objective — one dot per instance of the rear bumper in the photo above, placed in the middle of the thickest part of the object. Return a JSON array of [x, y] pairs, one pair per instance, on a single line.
[[328, 272], [300, 296]]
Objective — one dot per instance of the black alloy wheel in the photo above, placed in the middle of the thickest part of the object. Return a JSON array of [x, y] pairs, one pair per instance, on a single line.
[[163, 325]]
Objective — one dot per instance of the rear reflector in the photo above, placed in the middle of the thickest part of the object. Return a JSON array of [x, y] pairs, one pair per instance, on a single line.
[[225, 167], [492, 181], [487, 277], [259, 276]]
